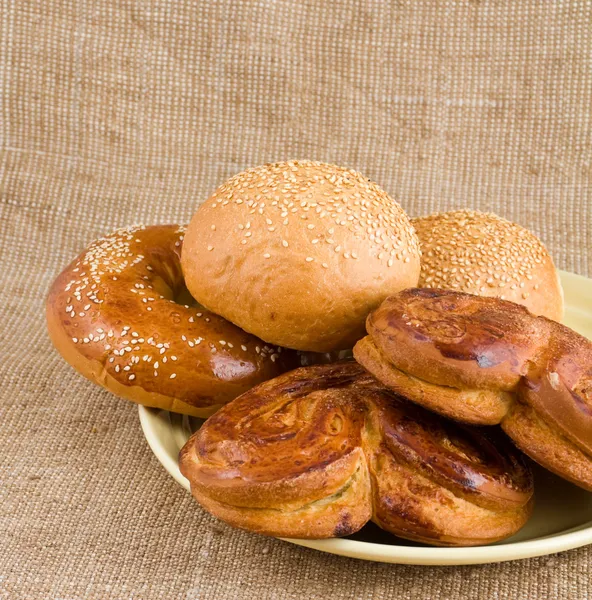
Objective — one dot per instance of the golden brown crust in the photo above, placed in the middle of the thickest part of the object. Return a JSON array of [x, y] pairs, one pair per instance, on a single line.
[[544, 444], [481, 253], [559, 386], [309, 248], [473, 406], [401, 507], [440, 348], [335, 515], [318, 451], [456, 339], [112, 315]]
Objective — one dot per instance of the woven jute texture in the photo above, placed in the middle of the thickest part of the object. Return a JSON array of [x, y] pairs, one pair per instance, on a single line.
[[115, 112]]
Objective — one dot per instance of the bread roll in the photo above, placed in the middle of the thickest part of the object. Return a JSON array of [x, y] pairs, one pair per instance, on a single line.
[[481, 253], [298, 253]]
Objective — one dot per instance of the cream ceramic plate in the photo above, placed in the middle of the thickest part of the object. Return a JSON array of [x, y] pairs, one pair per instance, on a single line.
[[562, 517]]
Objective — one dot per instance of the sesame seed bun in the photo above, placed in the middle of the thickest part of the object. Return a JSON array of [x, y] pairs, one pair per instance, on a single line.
[[299, 252], [481, 253]]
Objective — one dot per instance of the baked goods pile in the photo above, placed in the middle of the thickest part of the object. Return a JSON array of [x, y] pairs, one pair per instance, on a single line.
[[290, 264]]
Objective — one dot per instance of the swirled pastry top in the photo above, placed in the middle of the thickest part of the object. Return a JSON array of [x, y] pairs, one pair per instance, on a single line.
[[486, 361], [321, 450]]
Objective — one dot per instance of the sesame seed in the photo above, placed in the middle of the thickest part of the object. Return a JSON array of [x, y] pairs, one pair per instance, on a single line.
[[469, 247], [172, 376]]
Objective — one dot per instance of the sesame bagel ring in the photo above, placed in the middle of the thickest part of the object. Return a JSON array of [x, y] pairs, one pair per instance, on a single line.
[[121, 315]]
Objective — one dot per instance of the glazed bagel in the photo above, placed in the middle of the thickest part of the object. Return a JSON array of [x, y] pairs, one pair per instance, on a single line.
[[320, 451], [120, 314], [486, 361]]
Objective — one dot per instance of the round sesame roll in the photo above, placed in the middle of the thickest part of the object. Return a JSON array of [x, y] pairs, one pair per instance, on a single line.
[[483, 254], [299, 252], [117, 314]]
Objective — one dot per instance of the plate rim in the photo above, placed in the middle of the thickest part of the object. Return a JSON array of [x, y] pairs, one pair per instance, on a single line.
[[394, 553]]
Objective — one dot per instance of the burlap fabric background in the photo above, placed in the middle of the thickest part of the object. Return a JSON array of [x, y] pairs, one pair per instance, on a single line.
[[119, 112]]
